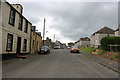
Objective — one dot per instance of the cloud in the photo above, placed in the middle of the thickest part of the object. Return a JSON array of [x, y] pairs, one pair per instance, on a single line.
[[72, 19]]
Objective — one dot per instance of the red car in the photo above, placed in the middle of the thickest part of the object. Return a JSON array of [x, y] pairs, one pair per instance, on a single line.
[[74, 49]]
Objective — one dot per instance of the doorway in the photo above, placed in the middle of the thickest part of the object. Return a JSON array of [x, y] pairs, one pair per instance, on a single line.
[[18, 45]]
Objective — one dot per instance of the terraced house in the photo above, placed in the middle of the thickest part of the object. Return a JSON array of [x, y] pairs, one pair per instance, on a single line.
[[16, 29], [36, 40]]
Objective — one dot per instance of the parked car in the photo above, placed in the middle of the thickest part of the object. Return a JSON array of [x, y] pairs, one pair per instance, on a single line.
[[56, 47], [74, 49], [44, 49], [68, 47]]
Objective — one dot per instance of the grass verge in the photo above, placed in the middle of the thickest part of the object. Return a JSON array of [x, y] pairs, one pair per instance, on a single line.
[[87, 49]]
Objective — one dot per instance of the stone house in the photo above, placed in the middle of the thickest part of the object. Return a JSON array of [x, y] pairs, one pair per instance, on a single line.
[[48, 42], [98, 35], [15, 29], [36, 40]]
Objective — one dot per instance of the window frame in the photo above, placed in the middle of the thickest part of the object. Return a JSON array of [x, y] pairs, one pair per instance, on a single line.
[[20, 22], [26, 26], [11, 43], [12, 16], [25, 45]]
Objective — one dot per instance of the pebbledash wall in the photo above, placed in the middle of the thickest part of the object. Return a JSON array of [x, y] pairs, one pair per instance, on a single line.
[[11, 30], [96, 38]]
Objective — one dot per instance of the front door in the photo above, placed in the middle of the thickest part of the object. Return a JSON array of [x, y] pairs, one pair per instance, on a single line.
[[18, 45]]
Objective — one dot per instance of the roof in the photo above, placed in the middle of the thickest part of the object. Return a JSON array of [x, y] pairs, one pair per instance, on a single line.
[[17, 11], [117, 29], [105, 30], [84, 39]]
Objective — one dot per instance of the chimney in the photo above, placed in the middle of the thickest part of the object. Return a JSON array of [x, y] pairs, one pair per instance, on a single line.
[[33, 28], [18, 7]]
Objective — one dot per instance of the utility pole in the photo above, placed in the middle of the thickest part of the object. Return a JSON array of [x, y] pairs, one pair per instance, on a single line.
[[44, 32], [54, 38]]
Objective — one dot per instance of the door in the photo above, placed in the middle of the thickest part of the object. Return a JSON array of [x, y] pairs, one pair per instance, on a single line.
[[18, 45]]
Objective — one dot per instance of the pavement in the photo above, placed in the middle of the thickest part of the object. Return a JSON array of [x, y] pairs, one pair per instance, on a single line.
[[105, 62], [59, 63]]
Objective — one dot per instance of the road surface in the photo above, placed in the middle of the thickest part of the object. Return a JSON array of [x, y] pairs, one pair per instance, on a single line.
[[59, 63]]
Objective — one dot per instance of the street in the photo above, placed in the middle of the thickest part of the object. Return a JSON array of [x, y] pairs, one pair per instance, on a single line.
[[60, 63]]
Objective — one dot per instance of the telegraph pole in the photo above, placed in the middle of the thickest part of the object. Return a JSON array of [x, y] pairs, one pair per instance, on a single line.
[[43, 31], [54, 38]]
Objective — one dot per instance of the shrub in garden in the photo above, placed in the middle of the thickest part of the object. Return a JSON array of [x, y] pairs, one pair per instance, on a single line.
[[106, 41]]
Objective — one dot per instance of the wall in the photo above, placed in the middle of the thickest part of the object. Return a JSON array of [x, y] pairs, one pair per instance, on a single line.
[[37, 42], [116, 33], [7, 28], [95, 40], [84, 43]]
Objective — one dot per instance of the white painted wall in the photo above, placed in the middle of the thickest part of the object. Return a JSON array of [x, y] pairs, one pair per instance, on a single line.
[[7, 28]]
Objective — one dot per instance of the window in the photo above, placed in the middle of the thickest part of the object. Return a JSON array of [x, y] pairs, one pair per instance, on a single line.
[[12, 17], [20, 22], [25, 45], [26, 26], [9, 42]]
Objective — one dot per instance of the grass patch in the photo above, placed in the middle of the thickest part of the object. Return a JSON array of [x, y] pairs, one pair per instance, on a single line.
[[101, 52], [87, 49]]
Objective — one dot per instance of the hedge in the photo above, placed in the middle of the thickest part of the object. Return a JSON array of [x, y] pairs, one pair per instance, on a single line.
[[106, 41]]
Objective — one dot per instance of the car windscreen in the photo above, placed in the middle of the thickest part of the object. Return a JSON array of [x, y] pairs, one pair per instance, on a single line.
[[44, 47]]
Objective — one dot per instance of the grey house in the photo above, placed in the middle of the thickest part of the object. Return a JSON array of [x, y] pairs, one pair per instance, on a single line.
[[98, 35], [83, 42]]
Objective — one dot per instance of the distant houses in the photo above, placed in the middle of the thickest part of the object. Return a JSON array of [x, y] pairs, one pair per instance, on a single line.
[[48, 42], [17, 36], [58, 44], [96, 37]]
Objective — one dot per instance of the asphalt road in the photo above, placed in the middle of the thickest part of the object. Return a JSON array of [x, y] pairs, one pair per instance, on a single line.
[[58, 64]]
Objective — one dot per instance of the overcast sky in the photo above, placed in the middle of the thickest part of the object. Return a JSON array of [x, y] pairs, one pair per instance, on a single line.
[[70, 21]]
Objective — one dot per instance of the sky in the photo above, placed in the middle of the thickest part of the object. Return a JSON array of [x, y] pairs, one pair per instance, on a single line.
[[70, 20]]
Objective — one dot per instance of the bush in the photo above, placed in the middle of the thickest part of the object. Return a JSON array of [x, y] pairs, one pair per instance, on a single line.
[[106, 41]]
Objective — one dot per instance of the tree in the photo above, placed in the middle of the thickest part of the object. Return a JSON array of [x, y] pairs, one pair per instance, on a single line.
[[70, 44]]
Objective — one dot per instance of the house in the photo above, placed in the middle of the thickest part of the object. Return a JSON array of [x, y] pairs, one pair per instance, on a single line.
[[15, 29], [117, 32], [97, 36], [64, 46], [48, 42], [58, 43], [36, 40], [83, 42], [77, 43]]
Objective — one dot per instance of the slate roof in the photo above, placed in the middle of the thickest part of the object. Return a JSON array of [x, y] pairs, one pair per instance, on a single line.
[[85, 39], [105, 30], [117, 29]]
